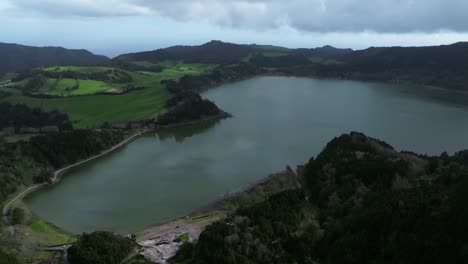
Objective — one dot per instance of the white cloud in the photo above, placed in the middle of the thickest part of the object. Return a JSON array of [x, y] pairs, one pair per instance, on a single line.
[[303, 15], [85, 8]]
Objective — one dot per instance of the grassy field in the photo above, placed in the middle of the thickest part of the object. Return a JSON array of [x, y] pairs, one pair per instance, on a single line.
[[63, 87], [175, 69], [76, 69], [91, 111]]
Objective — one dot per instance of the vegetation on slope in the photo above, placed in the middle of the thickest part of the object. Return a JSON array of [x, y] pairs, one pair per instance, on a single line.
[[20, 116], [100, 248], [7, 259], [186, 107], [366, 203], [18, 57], [24, 163]]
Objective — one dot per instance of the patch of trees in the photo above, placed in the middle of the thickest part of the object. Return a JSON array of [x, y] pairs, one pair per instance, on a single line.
[[37, 78], [17, 216], [186, 107], [372, 205], [100, 248], [21, 116], [35, 82], [214, 52], [217, 76], [65, 148], [7, 259], [24, 163], [130, 66], [17, 169], [112, 75], [280, 61]]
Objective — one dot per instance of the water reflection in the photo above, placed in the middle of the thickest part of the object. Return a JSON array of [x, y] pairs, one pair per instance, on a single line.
[[180, 134]]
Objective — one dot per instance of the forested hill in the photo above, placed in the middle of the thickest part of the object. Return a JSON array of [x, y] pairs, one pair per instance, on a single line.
[[218, 52], [444, 66], [16, 57], [366, 203]]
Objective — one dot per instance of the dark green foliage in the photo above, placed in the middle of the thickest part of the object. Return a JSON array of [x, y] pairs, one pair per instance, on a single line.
[[214, 52], [17, 216], [221, 74], [36, 78], [187, 107], [32, 161], [445, 66], [7, 259], [375, 205], [280, 62], [100, 248], [16, 169], [19, 58], [35, 82], [21, 116], [129, 66], [65, 148], [262, 233]]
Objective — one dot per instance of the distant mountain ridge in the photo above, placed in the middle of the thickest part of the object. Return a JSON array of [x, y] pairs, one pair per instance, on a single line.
[[15, 57], [219, 52]]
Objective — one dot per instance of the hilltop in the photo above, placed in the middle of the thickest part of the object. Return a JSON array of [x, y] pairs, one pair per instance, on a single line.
[[361, 202], [17, 57]]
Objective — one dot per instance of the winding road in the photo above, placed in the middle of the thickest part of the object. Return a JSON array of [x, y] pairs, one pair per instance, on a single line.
[[55, 178]]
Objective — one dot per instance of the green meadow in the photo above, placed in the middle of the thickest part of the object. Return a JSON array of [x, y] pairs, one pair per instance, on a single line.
[[91, 111]]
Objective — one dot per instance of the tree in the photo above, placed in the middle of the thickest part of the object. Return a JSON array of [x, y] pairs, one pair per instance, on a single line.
[[17, 216], [100, 248]]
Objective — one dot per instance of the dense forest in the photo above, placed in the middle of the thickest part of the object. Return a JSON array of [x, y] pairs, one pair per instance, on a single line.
[[362, 202], [7, 259], [100, 248], [24, 163], [188, 106], [444, 66], [220, 74], [21, 116]]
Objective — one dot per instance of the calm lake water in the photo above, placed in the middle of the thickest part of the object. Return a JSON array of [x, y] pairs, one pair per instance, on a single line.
[[277, 121]]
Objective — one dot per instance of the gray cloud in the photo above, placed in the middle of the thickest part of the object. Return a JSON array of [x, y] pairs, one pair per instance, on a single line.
[[304, 15]]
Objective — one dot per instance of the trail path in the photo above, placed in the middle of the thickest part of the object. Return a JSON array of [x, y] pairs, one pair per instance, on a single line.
[[56, 177]]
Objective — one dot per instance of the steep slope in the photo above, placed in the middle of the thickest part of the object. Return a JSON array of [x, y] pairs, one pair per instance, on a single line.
[[366, 203], [16, 57], [218, 52]]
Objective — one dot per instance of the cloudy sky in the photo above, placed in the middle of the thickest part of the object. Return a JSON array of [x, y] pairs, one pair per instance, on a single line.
[[112, 27]]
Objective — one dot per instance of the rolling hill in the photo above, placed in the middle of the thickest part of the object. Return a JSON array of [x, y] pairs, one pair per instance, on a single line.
[[17, 57]]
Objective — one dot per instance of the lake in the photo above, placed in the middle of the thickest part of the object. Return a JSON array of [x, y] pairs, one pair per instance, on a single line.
[[277, 121]]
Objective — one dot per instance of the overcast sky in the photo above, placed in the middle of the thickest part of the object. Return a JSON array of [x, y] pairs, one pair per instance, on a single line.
[[112, 27]]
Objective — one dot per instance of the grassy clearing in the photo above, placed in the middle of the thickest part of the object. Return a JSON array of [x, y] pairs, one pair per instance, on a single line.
[[86, 87], [91, 111], [76, 69], [31, 236], [184, 237], [176, 69]]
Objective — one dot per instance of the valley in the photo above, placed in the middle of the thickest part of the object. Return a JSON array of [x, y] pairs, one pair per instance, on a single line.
[[218, 119]]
